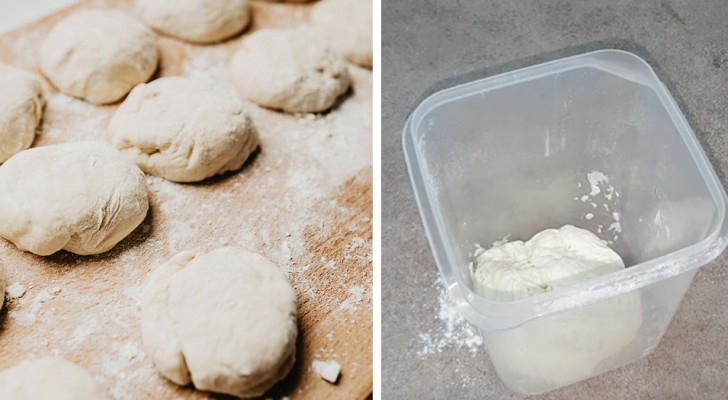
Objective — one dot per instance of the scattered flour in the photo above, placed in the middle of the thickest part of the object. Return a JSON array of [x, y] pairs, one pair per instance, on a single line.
[[15, 291], [357, 295], [454, 331], [29, 317]]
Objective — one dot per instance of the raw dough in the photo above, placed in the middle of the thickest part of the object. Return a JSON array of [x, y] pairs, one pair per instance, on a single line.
[[49, 378], [198, 21], [99, 55], [289, 70], [184, 129], [346, 25], [551, 259], [21, 107], [561, 348], [82, 197], [328, 370], [223, 320]]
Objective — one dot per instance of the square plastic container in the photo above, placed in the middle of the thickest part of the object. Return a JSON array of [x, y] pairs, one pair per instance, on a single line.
[[595, 141]]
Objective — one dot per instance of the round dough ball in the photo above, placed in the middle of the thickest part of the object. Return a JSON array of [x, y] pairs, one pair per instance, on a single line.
[[184, 129], [289, 70], [50, 378], [224, 320], [198, 21], [82, 197], [21, 107], [346, 25], [99, 55]]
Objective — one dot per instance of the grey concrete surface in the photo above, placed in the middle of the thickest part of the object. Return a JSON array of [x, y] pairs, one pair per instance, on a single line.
[[432, 44]]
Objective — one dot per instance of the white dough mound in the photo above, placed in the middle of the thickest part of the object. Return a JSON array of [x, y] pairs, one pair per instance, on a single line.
[[99, 55], [561, 348], [21, 108], [49, 378], [82, 197], [346, 25], [197, 21], [224, 321], [289, 70], [184, 129], [551, 259]]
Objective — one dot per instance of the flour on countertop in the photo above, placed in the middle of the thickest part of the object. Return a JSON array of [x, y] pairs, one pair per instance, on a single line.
[[453, 331]]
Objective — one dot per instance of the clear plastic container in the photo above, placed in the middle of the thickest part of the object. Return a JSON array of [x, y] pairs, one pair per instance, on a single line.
[[523, 151]]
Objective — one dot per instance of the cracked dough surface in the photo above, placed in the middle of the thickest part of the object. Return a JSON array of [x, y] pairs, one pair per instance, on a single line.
[[197, 21], [99, 55], [21, 107], [225, 321], [184, 129], [83, 197], [290, 70], [50, 378]]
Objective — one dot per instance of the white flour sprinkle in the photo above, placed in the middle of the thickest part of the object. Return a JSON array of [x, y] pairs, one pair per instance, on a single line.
[[15, 291], [357, 295], [454, 332], [29, 318]]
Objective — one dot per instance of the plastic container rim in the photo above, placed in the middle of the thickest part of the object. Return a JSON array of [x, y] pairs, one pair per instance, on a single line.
[[505, 315]]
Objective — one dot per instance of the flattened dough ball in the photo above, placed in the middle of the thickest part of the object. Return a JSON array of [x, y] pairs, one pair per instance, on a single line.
[[289, 70], [21, 107], [197, 21], [83, 197], [224, 320], [50, 378], [346, 25], [184, 129], [99, 55]]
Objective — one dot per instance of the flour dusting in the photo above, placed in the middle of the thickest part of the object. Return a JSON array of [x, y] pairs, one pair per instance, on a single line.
[[453, 332], [15, 291]]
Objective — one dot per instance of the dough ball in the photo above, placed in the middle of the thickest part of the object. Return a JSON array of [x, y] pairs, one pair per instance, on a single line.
[[49, 378], [21, 107], [560, 348], [82, 197], [346, 25], [289, 70], [551, 259], [223, 320], [184, 129], [198, 21], [99, 55]]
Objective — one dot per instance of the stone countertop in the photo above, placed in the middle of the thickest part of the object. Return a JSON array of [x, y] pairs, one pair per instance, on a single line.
[[429, 45]]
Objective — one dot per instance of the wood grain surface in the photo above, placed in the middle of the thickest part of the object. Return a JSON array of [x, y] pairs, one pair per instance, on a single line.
[[304, 200]]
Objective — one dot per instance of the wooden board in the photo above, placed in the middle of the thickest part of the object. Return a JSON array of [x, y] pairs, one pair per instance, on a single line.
[[304, 201]]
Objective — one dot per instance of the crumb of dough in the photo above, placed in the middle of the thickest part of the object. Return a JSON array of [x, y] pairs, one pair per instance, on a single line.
[[328, 370]]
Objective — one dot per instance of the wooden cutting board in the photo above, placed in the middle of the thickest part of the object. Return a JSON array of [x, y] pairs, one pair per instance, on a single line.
[[304, 201]]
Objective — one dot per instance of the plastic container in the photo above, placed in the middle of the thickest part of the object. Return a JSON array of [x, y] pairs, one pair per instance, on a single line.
[[523, 151]]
